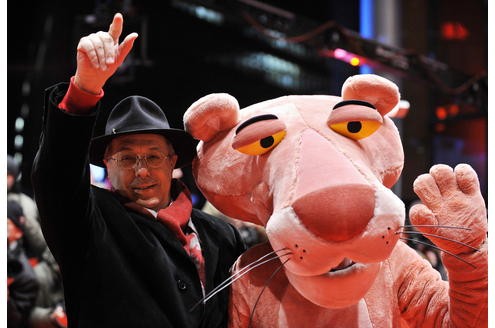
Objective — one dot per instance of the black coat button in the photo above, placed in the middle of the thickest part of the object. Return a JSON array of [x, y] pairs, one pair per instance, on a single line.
[[181, 284]]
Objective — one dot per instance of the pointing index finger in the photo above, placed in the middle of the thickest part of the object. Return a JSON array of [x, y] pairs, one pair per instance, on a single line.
[[115, 28]]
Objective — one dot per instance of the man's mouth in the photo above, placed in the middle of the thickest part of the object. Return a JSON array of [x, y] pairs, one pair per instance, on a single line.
[[140, 189]]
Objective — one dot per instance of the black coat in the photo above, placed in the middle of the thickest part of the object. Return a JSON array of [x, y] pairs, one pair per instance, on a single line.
[[120, 268], [23, 289]]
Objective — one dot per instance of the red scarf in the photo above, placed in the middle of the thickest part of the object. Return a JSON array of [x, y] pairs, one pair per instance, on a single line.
[[176, 217]]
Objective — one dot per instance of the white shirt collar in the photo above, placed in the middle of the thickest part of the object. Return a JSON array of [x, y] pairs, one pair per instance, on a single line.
[[190, 223]]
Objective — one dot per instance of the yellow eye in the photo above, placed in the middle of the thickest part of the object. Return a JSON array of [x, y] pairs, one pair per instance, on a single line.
[[263, 145], [356, 129]]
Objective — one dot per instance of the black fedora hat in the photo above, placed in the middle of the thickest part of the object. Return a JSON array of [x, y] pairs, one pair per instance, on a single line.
[[137, 114]]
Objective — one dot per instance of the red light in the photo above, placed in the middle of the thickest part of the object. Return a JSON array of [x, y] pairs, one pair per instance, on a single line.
[[454, 110], [439, 127], [441, 113], [454, 31]]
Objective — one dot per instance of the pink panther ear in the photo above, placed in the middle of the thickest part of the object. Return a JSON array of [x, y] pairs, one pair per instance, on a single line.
[[378, 91], [210, 115]]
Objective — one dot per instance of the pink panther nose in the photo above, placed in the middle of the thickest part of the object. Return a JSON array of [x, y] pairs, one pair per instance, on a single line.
[[337, 213]]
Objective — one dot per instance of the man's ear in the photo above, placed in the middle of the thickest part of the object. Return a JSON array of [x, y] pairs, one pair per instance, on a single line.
[[173, 161]]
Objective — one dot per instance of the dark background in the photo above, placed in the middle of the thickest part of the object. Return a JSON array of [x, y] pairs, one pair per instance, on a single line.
[[179, 58]]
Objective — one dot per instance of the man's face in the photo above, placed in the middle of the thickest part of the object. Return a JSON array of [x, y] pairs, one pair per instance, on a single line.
[[145, 185], [13, 232], [10, 181]]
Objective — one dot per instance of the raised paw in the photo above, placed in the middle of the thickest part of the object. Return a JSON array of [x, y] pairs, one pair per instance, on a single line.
[[453, 212]]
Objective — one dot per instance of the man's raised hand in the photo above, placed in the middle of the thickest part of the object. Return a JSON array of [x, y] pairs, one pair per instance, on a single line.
[[99, 55]]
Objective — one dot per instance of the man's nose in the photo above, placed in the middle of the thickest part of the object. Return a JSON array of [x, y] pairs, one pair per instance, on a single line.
[[141, 167]]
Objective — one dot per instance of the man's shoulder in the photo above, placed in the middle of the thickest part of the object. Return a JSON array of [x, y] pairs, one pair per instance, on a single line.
[[218, 228], [210, 220], [199, 214], [101, 192], [104, 196]]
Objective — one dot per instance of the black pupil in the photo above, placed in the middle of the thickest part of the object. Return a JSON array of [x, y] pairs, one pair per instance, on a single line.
[[267, 142], [354, 127]]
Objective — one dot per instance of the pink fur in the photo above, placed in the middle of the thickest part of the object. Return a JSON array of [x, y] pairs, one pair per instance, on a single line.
[[322, 194]]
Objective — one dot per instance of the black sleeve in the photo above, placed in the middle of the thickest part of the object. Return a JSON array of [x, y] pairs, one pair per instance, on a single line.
[[61, 176]]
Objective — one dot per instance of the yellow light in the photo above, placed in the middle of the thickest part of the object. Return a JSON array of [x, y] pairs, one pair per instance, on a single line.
[[354, 61]]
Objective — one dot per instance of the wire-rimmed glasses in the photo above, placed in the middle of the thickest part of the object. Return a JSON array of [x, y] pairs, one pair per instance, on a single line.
[[127, 160]]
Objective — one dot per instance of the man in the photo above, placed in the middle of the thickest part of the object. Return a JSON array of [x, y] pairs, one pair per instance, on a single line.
[[21, 279], [35, 243], [125, 258]]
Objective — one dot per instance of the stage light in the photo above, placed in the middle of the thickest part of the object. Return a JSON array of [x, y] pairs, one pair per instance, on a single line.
[[354, 61], [454, 31], [441, 113], [339, 54], [19, 124], [440, 127], [453, 110], [18, 141], [343, 55]]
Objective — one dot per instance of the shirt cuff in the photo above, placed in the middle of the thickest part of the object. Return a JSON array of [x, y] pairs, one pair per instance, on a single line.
[[77, 101]]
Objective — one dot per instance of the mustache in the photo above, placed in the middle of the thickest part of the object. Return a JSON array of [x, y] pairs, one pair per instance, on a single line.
[[142, 181]]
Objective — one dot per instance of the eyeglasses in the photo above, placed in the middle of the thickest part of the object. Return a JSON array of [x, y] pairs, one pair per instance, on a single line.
[[129, 160]]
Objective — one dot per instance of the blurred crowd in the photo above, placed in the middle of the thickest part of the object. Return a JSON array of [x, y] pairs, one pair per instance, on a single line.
[[35, 292]]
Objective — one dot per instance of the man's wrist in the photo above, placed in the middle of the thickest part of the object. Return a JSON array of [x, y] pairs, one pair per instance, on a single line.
[[90, 89], [78, 101]]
